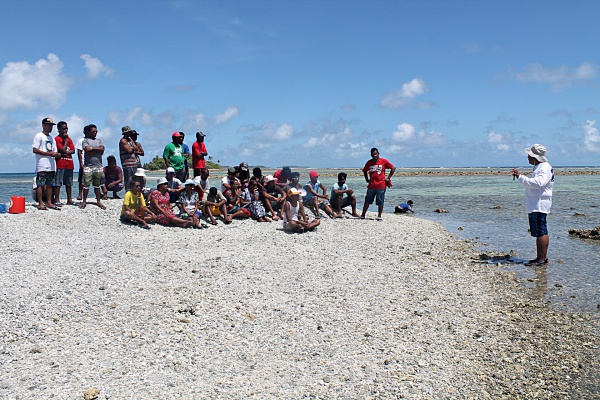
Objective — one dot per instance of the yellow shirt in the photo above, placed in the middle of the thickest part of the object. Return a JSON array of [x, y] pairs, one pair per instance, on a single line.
[[132, 201]]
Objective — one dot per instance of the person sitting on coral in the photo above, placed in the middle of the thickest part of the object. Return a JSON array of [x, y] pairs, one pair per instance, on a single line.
[[160, 205], [189, 203], [134, 207], [294, 217]]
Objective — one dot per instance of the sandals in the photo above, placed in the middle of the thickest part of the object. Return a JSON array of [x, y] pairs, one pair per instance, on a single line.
[[537, 263]]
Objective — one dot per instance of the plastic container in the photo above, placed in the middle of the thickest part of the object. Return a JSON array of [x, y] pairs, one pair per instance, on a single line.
[[17, 205]]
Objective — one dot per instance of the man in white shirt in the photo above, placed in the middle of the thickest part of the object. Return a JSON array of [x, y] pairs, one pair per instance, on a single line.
[[44, 148], [538, 200]]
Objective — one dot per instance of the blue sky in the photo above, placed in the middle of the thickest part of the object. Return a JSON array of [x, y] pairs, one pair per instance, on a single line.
[[316, 83]]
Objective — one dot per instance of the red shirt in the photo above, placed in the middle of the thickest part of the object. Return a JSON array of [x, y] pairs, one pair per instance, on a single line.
[[66, 161], [376, 171], [197, 160], [280, 179]]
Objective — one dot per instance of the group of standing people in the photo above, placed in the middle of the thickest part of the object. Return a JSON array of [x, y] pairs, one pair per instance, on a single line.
[[55, 164]]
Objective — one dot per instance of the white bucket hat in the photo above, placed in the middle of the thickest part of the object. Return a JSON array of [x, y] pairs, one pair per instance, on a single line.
[[538, 152], [140, 172]]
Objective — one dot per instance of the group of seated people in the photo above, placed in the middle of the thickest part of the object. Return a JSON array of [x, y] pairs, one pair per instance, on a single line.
[[264, 198]]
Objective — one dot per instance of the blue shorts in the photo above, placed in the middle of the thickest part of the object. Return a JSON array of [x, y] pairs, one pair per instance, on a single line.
[[64, 177], [375, 194], [537, 224]]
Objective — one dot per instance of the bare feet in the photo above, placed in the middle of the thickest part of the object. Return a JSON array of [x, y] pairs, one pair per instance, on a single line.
[[355, 215], [102, 206], [82, 205]]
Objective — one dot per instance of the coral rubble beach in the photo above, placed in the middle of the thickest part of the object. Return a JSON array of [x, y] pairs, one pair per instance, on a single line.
[[357, 309]]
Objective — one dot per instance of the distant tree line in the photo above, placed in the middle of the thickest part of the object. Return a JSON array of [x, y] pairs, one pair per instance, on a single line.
[[158, 163]]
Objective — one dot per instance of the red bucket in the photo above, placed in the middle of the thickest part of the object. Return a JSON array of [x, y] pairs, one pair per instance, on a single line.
[[17, 205]]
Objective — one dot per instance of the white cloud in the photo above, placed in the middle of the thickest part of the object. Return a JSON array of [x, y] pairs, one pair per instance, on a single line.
[[503, 147], [432, 139], [229, 113], [26, 86], [395, 149], [499, 138], [350, 150], [557, 77], [493, 137], [329, 139], [95, 67], [195, 122], [403, 133], [591, 138], [409, 91], [284, 132], [311, 142]]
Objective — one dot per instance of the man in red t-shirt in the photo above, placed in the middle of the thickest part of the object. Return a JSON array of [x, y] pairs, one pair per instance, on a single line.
[[198, 154], [374, 171], [64, 164]]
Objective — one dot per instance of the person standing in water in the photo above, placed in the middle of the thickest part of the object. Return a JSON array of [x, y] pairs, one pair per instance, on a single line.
[[538, 200]]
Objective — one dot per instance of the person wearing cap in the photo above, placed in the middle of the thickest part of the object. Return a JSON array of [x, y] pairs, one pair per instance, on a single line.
[[175, 186], [93, 172], [294, 217], [227, 179], [538, 200], [273, 197], [312, 196], [198, 154], [64, 165], [374, 172], [244, 174], [127, 154], [44, 148], [174, 157], [140, 177], [403, 208], [338, 201], [161, 206], [189, 203]]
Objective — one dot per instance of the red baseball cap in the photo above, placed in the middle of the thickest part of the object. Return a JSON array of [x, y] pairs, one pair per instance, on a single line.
[[175, 134]]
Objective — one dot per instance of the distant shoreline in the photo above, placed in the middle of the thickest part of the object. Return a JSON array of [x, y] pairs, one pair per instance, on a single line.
[[416, 171], [326, 172]]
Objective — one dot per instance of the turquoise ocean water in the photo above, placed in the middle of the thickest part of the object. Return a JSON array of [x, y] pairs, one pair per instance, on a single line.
[[487, 209]]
